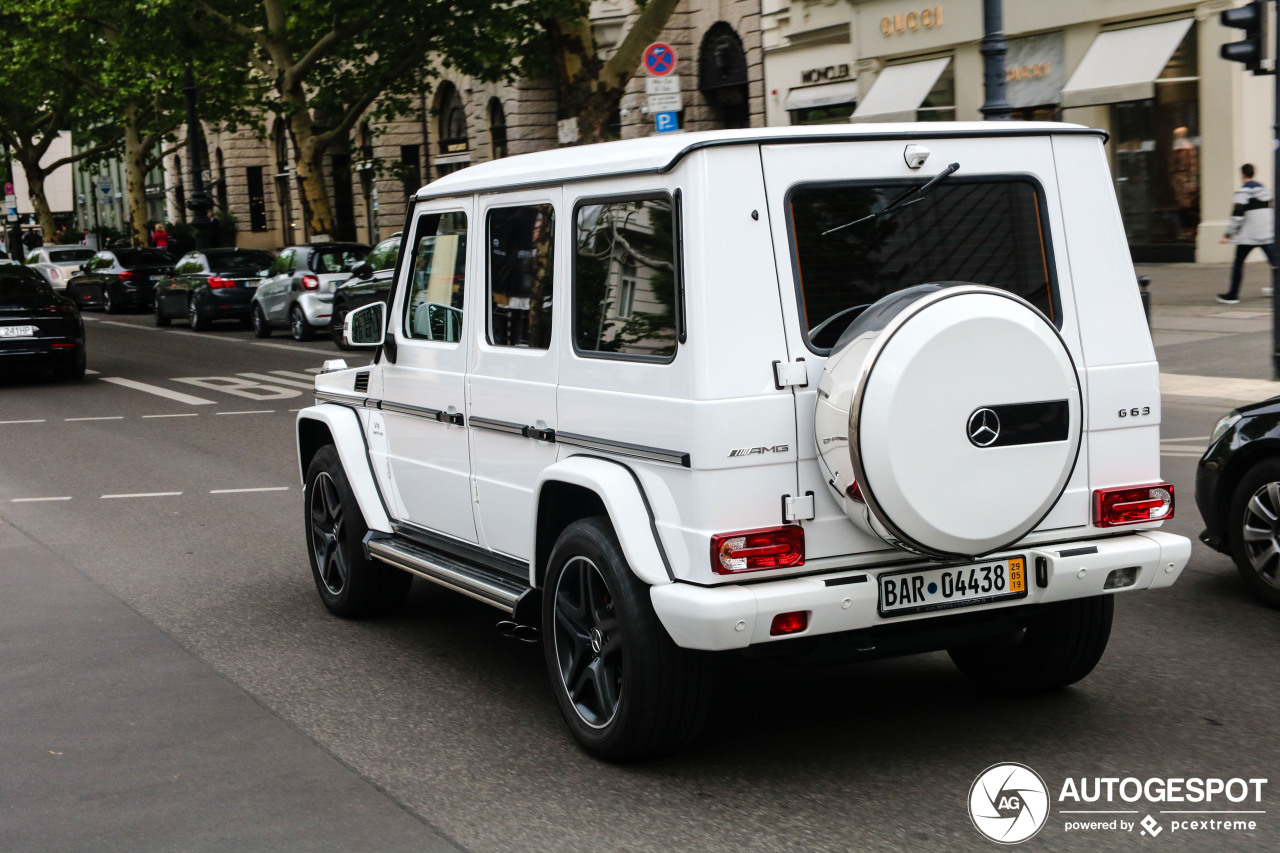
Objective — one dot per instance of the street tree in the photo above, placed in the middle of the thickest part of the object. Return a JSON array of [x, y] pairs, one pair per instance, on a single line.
[[331, 63], [589, 87], [42, 94]]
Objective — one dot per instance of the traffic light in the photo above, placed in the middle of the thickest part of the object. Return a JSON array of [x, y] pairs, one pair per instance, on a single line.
[[1249, 50]]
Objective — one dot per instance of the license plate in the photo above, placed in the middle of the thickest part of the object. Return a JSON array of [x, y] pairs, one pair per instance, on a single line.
[[923, 590], [17, 331]]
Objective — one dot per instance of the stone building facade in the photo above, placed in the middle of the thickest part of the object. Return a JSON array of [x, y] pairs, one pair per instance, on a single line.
[[460, 121]]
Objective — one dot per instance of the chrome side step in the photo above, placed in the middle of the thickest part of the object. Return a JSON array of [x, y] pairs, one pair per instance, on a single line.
[[492, 588]]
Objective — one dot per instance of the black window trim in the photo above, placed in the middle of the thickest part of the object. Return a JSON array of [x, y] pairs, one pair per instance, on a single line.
[[488, 277], [677, 225], [411, 228], [1020, 177]]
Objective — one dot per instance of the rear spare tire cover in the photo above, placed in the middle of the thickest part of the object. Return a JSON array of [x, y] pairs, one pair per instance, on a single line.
[[956, 410]]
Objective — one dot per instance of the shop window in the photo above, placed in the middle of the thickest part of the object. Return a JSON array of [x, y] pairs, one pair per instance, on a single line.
[[940, 103], [521, 269], [834, 114]]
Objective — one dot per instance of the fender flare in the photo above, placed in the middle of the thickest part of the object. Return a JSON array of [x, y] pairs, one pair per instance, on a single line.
[[629, 511], [344, 426]]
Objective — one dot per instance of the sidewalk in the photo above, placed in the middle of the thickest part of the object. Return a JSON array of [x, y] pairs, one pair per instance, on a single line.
[[1208, 351]]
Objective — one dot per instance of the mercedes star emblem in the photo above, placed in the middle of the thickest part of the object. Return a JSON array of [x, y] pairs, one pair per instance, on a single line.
[[984, 427]]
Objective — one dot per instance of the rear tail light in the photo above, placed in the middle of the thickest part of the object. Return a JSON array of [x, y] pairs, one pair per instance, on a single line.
[[217, 282], [757, 550], [1133, 505], [128, 275], [789, 623], [310, 282]]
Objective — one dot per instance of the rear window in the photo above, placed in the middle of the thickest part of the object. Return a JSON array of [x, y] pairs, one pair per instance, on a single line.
[[983, 231], [19, 282], [69, 256], [340, 259], [240, 261], [143, 258]]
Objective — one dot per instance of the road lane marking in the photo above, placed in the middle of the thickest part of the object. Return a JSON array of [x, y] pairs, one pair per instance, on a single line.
[[88, 372], [128, 325], [38, 421], [309, 377], [308, 385], [105, 418], [37, 500], [296, 348], [241, 387], [1217, 387], [182, 415], [254, 412], [143, 495], [237, 491], [158, 391]]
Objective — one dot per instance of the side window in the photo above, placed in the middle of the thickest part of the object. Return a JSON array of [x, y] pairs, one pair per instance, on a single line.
[[624, 279], [521, 241], [437, 261], [189, 265], [32, 258]]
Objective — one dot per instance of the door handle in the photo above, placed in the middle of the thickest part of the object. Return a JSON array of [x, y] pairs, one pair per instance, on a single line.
[[455, 418]]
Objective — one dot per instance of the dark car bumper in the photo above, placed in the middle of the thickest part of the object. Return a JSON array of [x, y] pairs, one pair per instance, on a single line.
[[228, 303], [23, 356]]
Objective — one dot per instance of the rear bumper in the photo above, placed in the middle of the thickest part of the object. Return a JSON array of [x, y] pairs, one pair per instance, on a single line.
[[228, 303], [36, 354], [740, 615], [316, 307]]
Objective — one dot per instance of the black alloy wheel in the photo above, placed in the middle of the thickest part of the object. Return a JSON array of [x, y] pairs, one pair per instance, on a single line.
[[335, 329], [261, 328], [624, 688], [1253, 530], [298, 325], [199, 322], [349, 582], [162, 319]]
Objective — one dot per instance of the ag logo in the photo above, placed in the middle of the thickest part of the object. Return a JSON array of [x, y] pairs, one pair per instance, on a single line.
[[1008, 803]]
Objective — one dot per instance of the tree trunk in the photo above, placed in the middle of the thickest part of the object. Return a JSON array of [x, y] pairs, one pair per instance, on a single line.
[[310, 159], [135, 176], [39, 201]]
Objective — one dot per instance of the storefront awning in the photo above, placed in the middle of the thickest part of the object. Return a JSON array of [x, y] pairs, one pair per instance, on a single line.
[[900, 90], [822, 96], [1122, 65]]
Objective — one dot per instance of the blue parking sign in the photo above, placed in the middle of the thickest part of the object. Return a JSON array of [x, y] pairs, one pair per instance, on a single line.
[[666, 122]]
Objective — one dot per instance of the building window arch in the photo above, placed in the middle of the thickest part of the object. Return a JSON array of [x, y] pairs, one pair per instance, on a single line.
[[452, 116], [722, 75]]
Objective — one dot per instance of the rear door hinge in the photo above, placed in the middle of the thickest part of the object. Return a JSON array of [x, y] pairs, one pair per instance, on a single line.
[[790, 373], [798, 509]]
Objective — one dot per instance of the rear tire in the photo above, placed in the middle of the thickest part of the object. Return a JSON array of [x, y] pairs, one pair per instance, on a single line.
[[261, 328], [73, 372], [335, 330], [350, 584], [1061, 644], [109, 305], [199, 322], [299, 327], [1253, 530], [624, 688]]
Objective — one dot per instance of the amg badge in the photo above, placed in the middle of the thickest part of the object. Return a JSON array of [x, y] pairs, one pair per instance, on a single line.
[[752, 451]]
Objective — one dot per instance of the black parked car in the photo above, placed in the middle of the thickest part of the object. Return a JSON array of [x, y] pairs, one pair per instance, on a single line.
[[116, 279], [370, 282], [216, 284], [39, 329], [1238, 493]]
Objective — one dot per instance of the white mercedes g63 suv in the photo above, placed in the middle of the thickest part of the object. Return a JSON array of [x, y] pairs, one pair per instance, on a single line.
[[868, 391]]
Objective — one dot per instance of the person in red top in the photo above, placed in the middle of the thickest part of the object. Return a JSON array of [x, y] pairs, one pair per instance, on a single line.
[[160, 237]]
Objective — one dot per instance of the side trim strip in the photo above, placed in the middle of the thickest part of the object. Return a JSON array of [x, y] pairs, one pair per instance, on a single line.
[[412, 411], [622, 448], [497, 426], [345, 399]]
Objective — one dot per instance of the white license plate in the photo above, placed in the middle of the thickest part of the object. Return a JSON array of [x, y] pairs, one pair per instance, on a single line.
[[17, 331], [922, 590]]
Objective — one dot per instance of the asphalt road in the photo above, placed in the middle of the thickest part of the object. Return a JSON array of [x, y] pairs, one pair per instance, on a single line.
[[170, 679]]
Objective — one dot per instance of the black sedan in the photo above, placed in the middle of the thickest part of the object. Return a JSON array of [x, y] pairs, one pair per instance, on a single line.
[[370, 282], [1238, 493], [116, 279], [216, 284], [39, 329]]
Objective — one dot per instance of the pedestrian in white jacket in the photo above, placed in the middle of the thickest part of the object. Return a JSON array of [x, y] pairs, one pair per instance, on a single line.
[[1252, 226]]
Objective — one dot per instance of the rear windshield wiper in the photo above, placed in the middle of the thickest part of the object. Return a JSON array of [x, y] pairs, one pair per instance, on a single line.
[[903, 200]]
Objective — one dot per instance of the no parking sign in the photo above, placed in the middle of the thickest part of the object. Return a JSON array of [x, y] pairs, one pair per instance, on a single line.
[[659, 59]]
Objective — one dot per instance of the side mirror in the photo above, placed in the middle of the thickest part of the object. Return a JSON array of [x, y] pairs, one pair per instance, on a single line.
[[366, 327], [363, 271]]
